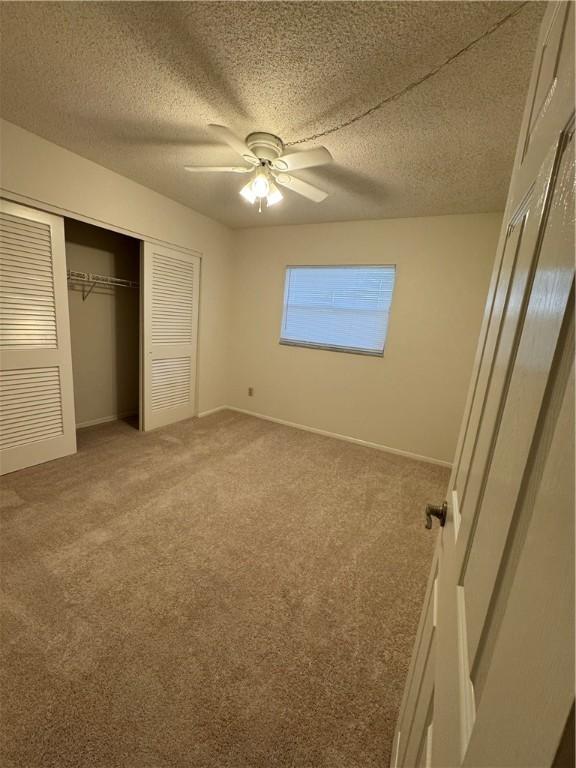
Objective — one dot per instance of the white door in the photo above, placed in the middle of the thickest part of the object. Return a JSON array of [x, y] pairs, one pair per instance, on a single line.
[[36, 397], [171, 281], [492, 678]]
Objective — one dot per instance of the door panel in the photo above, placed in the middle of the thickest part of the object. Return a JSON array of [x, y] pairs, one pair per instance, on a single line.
[[418, 702], [424, 756], [170, 313], [505, 472], [538, 571], [550, 97], [503, 682], [36, 397], [502, 306], [420, 743]]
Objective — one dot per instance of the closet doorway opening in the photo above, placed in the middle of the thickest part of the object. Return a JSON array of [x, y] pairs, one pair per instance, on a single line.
[[104, 323]]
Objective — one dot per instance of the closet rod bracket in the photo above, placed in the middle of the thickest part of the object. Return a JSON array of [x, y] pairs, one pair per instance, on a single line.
[[86, 293]]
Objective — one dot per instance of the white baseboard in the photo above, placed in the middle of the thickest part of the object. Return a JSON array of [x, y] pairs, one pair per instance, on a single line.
[[336, 435], [214, 410], [104, 419]]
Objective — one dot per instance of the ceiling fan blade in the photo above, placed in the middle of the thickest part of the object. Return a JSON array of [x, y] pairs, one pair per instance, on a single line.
[[301, 187], [306, 159], [226, 135], [217, 169]]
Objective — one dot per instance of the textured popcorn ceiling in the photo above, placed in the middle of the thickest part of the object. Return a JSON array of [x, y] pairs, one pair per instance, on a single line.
[[132, 86]]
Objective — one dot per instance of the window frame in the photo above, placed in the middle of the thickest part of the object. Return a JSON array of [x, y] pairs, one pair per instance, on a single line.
[[332, 347]]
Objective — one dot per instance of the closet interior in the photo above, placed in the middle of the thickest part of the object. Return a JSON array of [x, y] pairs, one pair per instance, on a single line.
[[103, 270]]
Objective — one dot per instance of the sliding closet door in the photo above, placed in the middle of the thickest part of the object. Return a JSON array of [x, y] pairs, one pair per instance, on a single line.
[[36, 396], [170, 328]]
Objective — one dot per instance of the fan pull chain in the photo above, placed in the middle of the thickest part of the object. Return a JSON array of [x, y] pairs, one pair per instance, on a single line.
[[412, 85]]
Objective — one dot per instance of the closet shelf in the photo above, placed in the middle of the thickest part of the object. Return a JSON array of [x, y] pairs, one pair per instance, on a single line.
[[88, 278]]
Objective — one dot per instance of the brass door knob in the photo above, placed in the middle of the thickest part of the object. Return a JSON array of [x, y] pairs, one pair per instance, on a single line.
[[439, 512]]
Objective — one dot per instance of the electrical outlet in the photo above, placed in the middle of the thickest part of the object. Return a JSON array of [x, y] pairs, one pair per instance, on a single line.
[[250, 391]]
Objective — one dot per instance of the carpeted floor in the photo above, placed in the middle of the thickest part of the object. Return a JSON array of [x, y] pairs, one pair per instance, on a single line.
[[222, 593]]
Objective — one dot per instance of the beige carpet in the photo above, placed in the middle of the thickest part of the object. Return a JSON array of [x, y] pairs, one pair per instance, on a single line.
[[222, 593]]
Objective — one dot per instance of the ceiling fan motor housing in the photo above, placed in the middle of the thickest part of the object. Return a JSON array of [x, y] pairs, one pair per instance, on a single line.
[[265, 146]]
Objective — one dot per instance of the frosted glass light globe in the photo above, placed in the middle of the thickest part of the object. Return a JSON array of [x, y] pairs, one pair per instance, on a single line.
[[260, 185]]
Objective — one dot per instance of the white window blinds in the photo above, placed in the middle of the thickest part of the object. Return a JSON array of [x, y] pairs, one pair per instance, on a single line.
[[340, 308]]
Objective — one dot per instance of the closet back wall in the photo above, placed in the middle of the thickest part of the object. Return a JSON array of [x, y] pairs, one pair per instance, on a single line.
[[105, 327]]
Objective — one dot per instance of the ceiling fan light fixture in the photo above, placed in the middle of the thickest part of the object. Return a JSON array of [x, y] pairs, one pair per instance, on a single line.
[[260, 185], [267, 163], [247, 193], [261, 188], [274, 196]]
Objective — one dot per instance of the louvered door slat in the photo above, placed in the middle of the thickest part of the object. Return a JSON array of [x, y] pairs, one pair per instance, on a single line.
[[15, 407], [171, 380], [39, 233], [171, 294], [26, 240], [24, 443], [23, 272], [14, 266], [27, 280], [17, 219], [172, 281], [166, 378], [8, 300], [30, 431], [38, 229], [30, 423], [21, 283], [36, 398], [18, 247], [33, 419], [21, 254], [8, 319], [28, 236]]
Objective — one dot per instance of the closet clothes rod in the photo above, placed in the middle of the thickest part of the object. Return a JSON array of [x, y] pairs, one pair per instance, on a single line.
[[94, 280]]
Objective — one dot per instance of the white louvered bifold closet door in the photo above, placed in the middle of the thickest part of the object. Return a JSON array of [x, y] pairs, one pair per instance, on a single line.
[[36, 394], [170, 312]]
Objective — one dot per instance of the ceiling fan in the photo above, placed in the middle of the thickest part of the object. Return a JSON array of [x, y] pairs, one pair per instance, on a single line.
[[268, 166]]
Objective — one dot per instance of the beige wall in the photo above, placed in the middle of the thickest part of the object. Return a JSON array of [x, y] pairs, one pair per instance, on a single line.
[[38, 173], [412, 399], [104, 327]]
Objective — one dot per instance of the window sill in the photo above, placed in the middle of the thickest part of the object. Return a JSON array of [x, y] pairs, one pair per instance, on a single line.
[[328, 348]]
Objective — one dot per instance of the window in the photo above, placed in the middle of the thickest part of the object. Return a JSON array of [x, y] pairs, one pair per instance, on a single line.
[[338, 308]]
